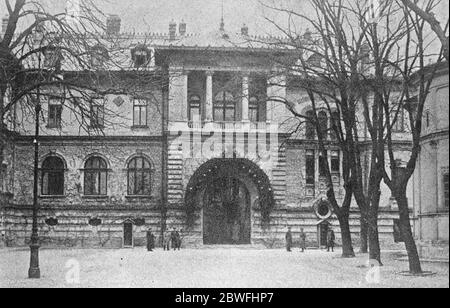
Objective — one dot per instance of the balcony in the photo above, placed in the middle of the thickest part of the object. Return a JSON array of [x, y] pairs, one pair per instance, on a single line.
[[227, 127]]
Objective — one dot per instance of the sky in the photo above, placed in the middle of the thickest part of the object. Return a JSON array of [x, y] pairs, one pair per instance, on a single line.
[[200, 15]]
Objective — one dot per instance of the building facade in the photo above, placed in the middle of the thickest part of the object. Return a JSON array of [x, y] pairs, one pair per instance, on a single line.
[[431, 198], [210, 153]]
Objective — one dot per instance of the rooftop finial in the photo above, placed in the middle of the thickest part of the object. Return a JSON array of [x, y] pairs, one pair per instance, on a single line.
[[222, 22]]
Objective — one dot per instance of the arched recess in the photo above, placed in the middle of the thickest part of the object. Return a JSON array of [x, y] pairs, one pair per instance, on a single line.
[[254, 178]]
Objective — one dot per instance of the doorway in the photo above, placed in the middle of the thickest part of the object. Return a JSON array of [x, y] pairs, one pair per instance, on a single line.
[[226, 213], [322, 231], [128, 235]]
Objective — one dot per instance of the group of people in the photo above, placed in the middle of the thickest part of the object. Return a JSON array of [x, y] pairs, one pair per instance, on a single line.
[[171, 240], [289, 240]]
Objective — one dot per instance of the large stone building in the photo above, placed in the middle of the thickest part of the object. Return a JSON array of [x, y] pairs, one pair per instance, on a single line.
[[431, 185], [207, 153]]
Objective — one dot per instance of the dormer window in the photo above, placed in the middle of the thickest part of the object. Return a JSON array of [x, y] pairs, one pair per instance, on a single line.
[[52, 58], [141, 56], [99, 55]]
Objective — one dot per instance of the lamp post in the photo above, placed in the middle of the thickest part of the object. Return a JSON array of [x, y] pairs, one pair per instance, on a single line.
[[34, 272]]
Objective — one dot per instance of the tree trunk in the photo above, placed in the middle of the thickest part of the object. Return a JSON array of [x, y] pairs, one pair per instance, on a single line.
[[374, 240], [346, 236], [364, 233], [405, 227]]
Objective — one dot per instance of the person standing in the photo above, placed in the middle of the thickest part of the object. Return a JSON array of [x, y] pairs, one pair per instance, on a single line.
[[330, 240], [166, 240], [289, 240], [150, 240], [173, 238], [302, 240], [177, 240]]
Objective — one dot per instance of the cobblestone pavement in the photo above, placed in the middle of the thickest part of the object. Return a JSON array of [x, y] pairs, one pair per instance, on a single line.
[[215, 267]]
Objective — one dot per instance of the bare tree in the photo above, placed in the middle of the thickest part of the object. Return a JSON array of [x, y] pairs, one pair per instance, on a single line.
[[429, 17]]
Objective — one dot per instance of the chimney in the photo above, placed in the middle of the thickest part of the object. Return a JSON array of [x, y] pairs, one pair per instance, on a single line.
[[113, 24], [244, 30], [5, 21], [182, 28], [172, 30]]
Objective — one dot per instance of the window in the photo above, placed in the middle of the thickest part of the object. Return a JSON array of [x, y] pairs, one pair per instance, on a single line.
[[335, 162], [335, 122], [446, 190], [52, 58], [98, 113], [322, 165], [323, 123], [398, 121], [310, 129], [139, 177], [310, 167], [99, 55], [95, 177], [141, 56], [140, 113], [54, 114], [253, 109], [194, 108], [52, 177], [427, 119], [224, 107]]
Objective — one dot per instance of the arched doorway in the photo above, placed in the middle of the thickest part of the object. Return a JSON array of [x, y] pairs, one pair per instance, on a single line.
[[225, 192], [226, 213]]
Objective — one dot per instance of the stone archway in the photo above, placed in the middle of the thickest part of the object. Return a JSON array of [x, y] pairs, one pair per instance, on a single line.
[[223, 191]]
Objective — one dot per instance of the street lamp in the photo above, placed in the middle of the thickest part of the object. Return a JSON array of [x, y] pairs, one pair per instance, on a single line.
[[34, 272]]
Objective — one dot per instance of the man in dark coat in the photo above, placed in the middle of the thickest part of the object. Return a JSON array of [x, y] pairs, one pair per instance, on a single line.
[[150, 240], [174, 238], [330, 240], [302, 240], [289, 240]]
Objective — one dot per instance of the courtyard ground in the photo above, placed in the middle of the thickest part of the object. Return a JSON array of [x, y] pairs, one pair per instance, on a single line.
[[219, 267]]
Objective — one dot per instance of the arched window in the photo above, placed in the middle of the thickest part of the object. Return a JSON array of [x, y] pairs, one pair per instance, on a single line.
[[194, 108], [253, 109], [52, 181], [95, 177], [224, 107], [335, 121], [323, 123], [139, 177], [310, 128]]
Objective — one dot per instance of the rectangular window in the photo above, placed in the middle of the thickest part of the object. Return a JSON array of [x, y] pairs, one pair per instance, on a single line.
[[54, 114], [98, 113], [310, 167], [140, 113], [335, 162], [446, 191], [322, 165]]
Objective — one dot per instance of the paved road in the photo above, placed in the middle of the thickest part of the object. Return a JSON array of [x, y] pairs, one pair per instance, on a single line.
[[203, 268]]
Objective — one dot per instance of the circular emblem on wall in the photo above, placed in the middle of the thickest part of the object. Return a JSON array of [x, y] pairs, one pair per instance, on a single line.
[[323, 209]]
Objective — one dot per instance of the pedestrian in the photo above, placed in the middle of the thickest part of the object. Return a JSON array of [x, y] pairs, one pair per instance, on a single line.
[[177, 240], [150, 240], [180, 239], [330, 240], [289, 240], [302, 240], [173, 238], [166, 243]]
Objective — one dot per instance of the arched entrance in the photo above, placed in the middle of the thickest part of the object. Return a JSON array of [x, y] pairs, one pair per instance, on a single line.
[[225, 192], [226, 213]]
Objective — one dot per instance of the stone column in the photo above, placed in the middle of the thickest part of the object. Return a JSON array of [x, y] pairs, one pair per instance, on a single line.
[[245, 98], [185, 101], [209, 97]]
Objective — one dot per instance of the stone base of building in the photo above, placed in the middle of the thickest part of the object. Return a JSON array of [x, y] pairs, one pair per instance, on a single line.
[[434, 251]]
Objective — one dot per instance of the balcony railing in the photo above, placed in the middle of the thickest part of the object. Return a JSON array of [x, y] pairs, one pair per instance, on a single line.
[[178, 126]]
